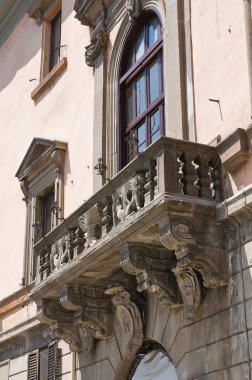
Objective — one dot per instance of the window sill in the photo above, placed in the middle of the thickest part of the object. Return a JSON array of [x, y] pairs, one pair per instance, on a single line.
[[49, 78]]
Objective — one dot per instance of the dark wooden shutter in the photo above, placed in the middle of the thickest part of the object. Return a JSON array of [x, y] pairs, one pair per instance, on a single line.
[[53, 360], [33, 366]]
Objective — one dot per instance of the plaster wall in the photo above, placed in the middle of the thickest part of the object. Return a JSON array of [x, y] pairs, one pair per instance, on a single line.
[[58, 114], [220, 68]]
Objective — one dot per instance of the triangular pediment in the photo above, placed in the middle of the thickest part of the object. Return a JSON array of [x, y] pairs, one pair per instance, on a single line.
[[39, 150]]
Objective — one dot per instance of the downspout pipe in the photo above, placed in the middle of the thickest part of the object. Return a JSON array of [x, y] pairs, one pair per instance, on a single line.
[[248, 31]]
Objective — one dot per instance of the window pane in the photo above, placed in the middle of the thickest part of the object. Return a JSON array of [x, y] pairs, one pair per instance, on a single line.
[[55, 40], [155, 136], [141, 136], [47, 204], [153, 31], [140, 45], [154, 122], [154, 81], [140, 95], [129, 95]]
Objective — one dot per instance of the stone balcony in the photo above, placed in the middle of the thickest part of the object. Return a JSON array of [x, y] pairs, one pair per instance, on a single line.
[[150, 228]]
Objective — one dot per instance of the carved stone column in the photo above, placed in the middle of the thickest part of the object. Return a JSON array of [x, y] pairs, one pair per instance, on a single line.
[[153, 268]]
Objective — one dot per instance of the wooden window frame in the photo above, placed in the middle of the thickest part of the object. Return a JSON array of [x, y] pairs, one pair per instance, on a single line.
[[49, 17], [49, 74], [128, 76]]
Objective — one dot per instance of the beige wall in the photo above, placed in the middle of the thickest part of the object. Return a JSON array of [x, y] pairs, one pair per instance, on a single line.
[[220, 67], [64, 112]]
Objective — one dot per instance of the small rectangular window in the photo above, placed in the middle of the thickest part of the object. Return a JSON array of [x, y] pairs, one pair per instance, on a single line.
[[55, 41], [47, 203]]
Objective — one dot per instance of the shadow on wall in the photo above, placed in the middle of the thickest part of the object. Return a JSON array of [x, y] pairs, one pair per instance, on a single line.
[[19, 49], [23, 44]]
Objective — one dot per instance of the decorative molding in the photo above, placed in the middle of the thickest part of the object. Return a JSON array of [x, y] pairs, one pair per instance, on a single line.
[[190, 287], [235, 149], [130, 198], [129, 312], [39, 8], [41, 153], [61, 321], [88, 11], [100, 167], [198, 244], [152, 267], [133, 8], [96, 47], [93, 312], [91, 224]]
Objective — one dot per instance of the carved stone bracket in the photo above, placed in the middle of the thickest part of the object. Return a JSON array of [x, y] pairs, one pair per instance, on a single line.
[[96, 46], [200, 250], [133, 8], [93, 312], [129, 313], [152, 267], [61, 322]]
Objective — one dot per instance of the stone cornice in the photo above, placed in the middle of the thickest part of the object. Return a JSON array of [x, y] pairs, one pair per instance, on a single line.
[[87, 11], [11, 12]]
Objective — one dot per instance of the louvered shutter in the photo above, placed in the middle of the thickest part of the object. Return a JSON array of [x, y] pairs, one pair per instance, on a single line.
[[53, 360], [33, 366]]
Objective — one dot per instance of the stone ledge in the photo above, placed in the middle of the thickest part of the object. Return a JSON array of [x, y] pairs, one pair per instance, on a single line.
[[238, 204], [234, 150], [49, 78], [20, 329]]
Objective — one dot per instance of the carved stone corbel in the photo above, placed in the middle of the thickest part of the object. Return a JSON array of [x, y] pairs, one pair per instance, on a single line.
[[198, 243], [190, 287], [91, 224], [129, 312], [93, 312], [133, 8], [61, 321], [97, 44], [152, 267]]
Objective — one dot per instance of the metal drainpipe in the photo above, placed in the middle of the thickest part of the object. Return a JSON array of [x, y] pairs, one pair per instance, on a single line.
[[248, 31]]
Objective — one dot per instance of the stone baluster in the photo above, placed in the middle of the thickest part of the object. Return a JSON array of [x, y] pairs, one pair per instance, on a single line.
[[107, 217], [203, 181], [79, 241], [189, 177], [167, 173], [44, 263], [214, 176], [151, 184]]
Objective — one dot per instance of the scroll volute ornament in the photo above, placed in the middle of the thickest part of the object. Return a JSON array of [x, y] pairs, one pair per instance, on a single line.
[[93, 312], [95, 48], [129, 313], [61, 322], [152, 265], [200, 252]]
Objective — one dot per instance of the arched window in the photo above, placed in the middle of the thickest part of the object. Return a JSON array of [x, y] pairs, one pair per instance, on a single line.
[[141, 88], [152, 362]]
